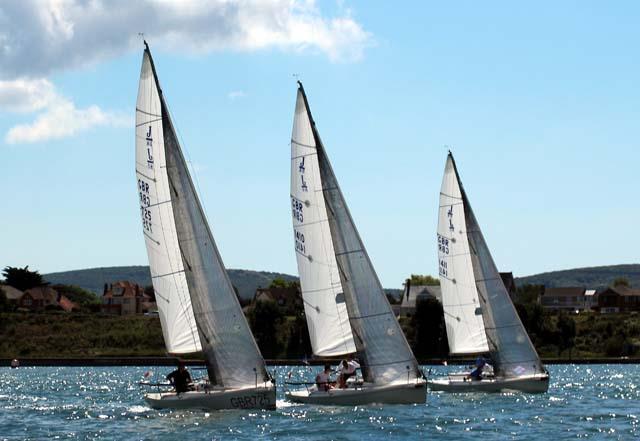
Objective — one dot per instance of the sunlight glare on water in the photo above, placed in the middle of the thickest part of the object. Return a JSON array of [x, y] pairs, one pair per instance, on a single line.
[[584, 402]]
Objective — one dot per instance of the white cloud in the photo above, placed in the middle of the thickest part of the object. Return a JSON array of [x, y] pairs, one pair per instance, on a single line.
[[59, 117], [24, 95], [38, 37], [235, 94]]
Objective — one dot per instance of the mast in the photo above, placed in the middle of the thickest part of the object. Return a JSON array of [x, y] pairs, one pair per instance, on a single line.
[[382, 348], [512, 352], [232, 355], [322, 293]]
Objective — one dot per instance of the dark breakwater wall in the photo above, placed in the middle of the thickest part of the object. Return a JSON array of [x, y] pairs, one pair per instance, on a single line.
[[172, 361]]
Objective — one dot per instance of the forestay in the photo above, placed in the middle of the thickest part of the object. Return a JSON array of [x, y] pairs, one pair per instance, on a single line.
[[512, 352], [462, 311], [169, 283], [232, 356], [384, 353], [325, 307]]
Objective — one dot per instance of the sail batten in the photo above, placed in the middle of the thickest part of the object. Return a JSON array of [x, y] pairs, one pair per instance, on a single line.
[[512, 352], [382, 349]]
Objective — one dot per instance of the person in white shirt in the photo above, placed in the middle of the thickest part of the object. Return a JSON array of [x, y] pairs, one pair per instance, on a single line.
[[323, 380], [347, 370]]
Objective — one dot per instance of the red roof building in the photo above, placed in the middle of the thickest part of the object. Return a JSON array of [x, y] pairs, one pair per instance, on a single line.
[[126, 298]]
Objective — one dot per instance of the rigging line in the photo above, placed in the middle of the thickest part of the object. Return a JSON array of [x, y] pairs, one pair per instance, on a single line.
[[167, 274], [452, 197], [461, 304], [488, 279], [293, 141], [349, 252], [445, 256], [313, 223], [145, 176], [315, 308], [148, 113], [453, 316], [293, 158], [371, 315], [344, 275], [328, 265], [515, 325], [158, 203], [166, 299], [147, 123], [184, 149], [151, 238], [330, 288]]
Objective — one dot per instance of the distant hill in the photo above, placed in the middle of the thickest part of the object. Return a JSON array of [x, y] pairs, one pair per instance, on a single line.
[[93, 279], [593, 277], [248, 281]]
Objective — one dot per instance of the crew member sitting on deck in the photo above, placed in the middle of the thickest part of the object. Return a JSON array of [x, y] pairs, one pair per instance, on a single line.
[[322, 379], [347, 370], [181, 379], [476, 374]]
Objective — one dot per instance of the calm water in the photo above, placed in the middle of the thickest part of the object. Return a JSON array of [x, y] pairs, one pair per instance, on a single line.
[[584, 402]]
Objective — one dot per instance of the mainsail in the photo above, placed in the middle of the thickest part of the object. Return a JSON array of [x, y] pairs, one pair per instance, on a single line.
[[232, 356], [512, 352], [382, 348], [324, 303], [462, 311], [169, 283]]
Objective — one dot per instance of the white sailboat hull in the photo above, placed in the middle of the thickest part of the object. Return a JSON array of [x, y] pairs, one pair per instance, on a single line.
[[216, 399], [538, 383], [404, 393]]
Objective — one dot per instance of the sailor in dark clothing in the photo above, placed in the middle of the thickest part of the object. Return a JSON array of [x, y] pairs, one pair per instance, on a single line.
[[476, 374], [181, 379]]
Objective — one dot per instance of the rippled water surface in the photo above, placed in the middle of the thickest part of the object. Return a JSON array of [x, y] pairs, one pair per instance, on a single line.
[[584, 402]]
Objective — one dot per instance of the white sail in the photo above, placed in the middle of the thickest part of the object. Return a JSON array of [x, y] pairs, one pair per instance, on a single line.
[[512, 353], [383, 351], [325, 307], [462, 312], [169, 283], [231, 353]]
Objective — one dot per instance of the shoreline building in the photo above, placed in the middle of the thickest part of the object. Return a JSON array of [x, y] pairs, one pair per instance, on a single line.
[[618, 299], [126, 298]]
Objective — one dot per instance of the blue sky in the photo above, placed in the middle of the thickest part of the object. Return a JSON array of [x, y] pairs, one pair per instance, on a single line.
[[539, 104]]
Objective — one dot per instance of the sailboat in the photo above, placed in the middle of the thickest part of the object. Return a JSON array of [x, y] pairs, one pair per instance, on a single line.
[[347, 309], [198, 307], [479, 315]]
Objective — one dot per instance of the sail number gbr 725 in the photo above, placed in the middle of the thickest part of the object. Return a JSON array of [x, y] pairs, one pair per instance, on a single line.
[[145, 203]]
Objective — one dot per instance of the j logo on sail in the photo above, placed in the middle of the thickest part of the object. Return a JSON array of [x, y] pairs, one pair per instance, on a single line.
[[149, 149]]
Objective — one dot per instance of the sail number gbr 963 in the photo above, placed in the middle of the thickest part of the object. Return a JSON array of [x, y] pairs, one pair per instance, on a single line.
[[145, 203]]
